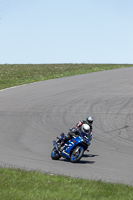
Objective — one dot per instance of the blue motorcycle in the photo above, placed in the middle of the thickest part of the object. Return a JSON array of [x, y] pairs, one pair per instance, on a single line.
[[73, 149]]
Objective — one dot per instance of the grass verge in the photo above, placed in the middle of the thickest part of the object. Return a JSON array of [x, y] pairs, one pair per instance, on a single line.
[[13, 75], [19, 184]]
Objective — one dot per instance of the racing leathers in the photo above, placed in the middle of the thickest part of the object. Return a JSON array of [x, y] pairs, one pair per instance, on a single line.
[[74, 132], [79, 125]]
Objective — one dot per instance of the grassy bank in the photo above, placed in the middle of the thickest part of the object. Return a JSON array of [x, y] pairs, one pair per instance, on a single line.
[[13, 75], [18, 184]]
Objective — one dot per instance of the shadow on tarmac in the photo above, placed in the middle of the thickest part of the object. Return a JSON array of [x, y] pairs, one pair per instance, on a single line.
[[81, 161]]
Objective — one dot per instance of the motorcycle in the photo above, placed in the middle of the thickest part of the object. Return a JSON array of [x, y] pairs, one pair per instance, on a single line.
[[73, 149]]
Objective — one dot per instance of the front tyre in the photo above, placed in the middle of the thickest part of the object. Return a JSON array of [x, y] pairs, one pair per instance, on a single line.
[[55, 154], [76, 154]]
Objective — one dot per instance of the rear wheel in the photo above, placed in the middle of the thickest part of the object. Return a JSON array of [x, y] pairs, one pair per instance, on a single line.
[[77, 154], [55, 154]]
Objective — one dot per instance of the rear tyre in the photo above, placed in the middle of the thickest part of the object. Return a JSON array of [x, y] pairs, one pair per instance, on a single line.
[[55, 154], [77, 154]]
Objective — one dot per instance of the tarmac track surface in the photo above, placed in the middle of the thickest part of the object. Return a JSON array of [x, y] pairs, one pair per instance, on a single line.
[[33, 115]]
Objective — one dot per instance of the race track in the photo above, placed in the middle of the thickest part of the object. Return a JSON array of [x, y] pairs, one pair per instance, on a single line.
[[31, 116]]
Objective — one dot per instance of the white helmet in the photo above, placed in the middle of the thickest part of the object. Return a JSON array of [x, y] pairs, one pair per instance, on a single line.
[[85, 128]]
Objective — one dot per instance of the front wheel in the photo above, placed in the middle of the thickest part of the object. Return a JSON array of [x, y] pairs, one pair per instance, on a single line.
[[76, 154], [55, 154]]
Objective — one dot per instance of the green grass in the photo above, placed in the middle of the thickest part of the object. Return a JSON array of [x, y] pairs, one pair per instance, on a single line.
[[19, 184], [13, 75], [16, 184]]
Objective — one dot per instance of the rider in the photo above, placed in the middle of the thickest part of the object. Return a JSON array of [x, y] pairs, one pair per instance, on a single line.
[[84, 126], [89, 121]]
